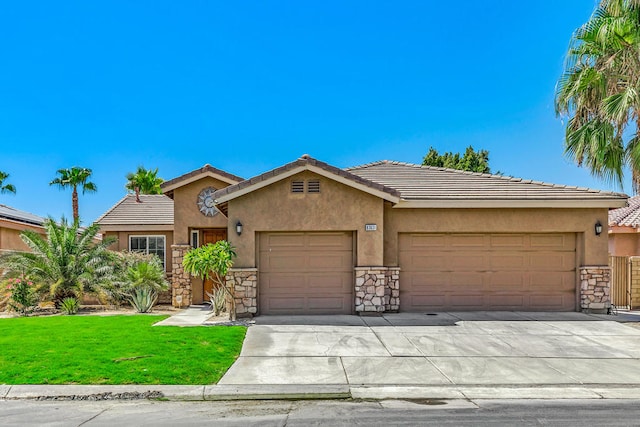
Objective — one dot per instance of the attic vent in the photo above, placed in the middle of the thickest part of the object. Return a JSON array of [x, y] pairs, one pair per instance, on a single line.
[[313, 186], [297, 186]]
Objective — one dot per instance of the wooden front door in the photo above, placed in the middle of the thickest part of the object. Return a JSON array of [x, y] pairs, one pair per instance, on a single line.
[[211, 236]]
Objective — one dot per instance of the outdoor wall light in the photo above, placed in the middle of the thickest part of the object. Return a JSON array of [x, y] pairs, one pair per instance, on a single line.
[[598, 228], [239, 228]]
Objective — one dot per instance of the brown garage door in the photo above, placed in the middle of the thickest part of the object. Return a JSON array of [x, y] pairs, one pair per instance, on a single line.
[[306, 273], [534, 272]]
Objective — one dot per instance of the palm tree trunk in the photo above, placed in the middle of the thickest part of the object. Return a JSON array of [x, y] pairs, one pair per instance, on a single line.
[[74, 204]]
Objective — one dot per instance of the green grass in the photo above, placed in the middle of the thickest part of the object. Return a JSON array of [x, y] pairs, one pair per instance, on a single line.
[[114, 350]]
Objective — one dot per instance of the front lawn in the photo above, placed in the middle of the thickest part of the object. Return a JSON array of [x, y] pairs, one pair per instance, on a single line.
[[114, 350]]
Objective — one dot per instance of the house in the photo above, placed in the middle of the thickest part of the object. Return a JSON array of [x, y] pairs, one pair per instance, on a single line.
[[312, 238], [624, 232], [12, 223]]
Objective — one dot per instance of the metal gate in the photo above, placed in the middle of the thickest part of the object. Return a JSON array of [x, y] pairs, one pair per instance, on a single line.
[[620, 281]]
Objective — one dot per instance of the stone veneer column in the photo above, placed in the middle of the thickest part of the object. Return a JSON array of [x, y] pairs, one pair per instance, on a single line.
[[244, 283], [181, 291], [594, 287], [392, 289], [635, 281], [371, 288]]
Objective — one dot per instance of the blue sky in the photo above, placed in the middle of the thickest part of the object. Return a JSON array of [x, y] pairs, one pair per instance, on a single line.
[[249, 86]]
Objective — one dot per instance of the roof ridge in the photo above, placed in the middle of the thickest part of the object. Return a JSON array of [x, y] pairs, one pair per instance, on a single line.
[[484, 175]]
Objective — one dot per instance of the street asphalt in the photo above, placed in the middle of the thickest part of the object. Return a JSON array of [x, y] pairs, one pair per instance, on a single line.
[[470, 355]]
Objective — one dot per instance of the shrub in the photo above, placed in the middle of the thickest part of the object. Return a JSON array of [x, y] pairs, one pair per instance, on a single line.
[[69, 306], [22, 295]]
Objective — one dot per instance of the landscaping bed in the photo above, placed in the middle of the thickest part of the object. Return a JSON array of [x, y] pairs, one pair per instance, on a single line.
[[119, 349]]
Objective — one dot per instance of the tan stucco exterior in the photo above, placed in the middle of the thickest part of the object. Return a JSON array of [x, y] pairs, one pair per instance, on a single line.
[[10, 235], [337, 207], [624, 241], [122, 243], [186, 213], [591, 249]]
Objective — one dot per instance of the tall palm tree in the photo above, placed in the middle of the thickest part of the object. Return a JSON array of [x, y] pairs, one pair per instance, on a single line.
[[6, 188], [599, 92], [68, 261], [73, 178], [144, 181]]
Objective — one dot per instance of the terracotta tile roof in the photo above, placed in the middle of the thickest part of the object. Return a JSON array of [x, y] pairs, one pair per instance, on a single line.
[[416, 182], [628, 216], [306, 160], [203, 170], [7, 212], [152, 210]]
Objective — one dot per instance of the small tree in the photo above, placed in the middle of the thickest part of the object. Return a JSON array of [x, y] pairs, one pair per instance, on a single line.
[[75, 177], [6, 187], [144, 181], [68, 262], [471, 160], [212, 261]]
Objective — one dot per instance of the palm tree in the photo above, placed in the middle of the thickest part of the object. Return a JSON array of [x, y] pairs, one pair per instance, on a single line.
[[68, 261], [6, 188], [73, 178], [144, 181], [599, 92]]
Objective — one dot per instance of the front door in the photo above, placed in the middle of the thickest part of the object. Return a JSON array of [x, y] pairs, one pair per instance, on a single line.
[[211, 236]]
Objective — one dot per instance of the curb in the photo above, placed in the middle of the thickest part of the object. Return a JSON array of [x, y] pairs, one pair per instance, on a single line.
[[309, 392]]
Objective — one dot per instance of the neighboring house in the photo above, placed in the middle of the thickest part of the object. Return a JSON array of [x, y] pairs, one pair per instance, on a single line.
[[624, 234], [387, 236], [12, 223]]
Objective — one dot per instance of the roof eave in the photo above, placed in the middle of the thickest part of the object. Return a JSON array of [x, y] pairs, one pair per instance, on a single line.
[[513, 203], [182, 182]]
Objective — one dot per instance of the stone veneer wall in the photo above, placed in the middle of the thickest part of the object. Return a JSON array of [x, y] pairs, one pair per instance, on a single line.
[[244, 283], [594, 287], [635, 281], [181, 291], [377, 289], [392, 289]]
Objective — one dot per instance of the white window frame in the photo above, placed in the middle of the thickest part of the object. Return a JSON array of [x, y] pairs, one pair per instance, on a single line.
[[195, 238], [164, 245]]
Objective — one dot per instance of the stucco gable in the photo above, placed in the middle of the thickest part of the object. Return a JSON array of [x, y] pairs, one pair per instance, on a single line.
[[205, 171], [306, 163]]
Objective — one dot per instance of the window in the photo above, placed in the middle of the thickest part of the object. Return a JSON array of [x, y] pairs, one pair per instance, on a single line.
[[195, 234], [313, 186], [297, 186], [148, 245]]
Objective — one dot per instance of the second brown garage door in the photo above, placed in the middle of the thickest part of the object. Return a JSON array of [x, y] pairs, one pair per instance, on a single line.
[[306, 273], [535, 272]]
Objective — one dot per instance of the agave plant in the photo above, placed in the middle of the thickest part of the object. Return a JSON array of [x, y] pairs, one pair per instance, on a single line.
[[144, 280], [69, 306], [143, 299]]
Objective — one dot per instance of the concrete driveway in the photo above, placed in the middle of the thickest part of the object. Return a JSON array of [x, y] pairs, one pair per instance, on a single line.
[[475, 348]]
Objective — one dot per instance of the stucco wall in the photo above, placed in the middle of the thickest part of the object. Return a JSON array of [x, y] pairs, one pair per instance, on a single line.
[[336, 207], [624, 244], [186, 213], [591, 249], [123, 242], [10, 235]]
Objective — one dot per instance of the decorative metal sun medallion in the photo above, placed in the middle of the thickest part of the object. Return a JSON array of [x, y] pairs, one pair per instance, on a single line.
[[205, 202]]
